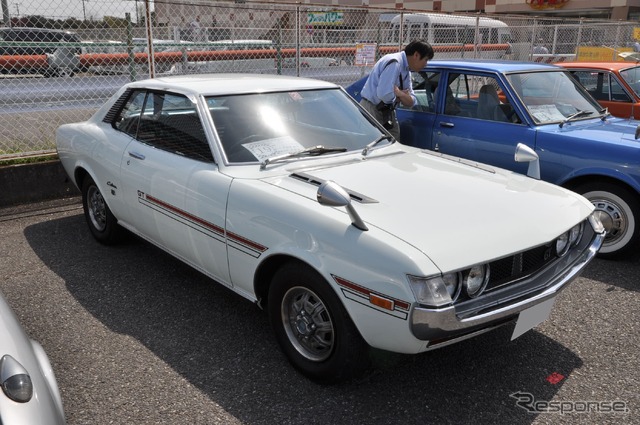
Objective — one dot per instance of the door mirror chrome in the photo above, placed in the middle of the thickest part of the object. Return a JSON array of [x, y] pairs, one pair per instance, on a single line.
[[331, 194], [525, 154]]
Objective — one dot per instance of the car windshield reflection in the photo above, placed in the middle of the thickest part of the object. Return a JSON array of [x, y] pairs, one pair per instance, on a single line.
[[256, 127], [552, 97]]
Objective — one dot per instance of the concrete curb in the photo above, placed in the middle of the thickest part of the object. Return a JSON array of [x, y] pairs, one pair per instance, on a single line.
[[22, 184]]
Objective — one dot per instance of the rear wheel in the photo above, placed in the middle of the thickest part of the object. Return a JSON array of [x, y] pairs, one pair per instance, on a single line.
[[102, 223], [312, 327], [618, 209]]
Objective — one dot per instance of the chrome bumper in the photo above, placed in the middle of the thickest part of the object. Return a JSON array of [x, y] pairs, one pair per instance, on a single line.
[[441, 326]]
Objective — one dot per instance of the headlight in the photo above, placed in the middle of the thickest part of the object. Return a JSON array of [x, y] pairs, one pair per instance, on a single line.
[[475, 280], [15, 381], [575, 234], [562, 244], [436, 291]]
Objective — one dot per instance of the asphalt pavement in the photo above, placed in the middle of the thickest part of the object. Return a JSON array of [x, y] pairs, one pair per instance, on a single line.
[[137, 337]]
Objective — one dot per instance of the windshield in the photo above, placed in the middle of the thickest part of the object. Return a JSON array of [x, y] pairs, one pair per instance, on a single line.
[[257, 127], [632, 77], [552, 97]]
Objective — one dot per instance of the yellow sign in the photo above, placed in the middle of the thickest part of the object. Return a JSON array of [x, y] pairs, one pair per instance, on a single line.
[[636, 33], [600, 53]]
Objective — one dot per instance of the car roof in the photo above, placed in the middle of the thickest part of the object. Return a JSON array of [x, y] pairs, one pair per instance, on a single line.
[[611, 66], [225, 84], [502, 66]]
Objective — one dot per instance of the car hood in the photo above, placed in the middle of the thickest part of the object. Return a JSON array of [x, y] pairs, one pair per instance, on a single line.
[[611, 130], [454, 211]]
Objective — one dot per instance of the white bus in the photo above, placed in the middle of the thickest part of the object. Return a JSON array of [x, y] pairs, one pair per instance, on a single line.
[[438, 28]]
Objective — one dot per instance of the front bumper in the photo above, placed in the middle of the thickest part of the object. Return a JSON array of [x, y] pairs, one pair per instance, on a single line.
[[443, 326]]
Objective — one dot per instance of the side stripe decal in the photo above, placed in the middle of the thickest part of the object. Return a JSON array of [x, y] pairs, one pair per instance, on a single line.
[[363, 295], [235, 241]]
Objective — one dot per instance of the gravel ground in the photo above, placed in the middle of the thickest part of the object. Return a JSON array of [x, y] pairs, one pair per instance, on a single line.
[[136, 337]]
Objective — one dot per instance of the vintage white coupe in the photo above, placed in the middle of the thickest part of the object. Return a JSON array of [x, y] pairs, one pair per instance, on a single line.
[[290, 194]]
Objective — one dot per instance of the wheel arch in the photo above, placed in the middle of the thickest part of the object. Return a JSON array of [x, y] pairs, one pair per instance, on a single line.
[[79, 174], [577, 181], [265, 272]]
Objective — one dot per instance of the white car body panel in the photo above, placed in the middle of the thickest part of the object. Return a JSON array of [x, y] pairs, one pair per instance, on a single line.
[[45, 406]]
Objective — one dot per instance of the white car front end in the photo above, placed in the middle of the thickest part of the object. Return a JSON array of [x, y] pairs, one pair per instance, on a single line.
[[391, 275]]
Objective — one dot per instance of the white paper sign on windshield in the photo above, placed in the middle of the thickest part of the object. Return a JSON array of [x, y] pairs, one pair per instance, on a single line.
[[268, 148], [546, 113]]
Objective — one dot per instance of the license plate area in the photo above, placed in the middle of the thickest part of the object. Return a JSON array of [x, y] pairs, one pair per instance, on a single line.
[[532, 317]]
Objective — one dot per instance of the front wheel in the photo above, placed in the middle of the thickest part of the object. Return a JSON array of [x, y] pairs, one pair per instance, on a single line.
[[618, 209], [102, 223], [312, 327]]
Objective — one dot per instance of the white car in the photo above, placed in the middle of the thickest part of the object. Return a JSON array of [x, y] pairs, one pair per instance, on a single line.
[[29, 392], [287, 192]]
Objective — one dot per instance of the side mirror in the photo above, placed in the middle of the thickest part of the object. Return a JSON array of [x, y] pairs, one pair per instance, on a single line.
[[331, 194], [525, 154]]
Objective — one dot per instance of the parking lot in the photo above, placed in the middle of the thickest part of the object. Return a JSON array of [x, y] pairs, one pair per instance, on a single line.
[[137, 337]]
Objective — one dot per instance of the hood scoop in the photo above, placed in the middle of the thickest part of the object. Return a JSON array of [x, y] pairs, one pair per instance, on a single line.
[[314, 181]]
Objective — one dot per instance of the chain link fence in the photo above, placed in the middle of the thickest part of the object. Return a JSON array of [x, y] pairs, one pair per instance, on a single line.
[[61, 68]]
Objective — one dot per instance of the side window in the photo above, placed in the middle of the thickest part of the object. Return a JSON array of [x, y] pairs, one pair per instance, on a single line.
[[129, 118], [424, 84], [165, 121], [595, 83], [617, 92], [481, 97], [171, 122]]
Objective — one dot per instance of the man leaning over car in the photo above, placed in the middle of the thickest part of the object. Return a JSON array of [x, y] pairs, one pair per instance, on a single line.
[[389, 83]]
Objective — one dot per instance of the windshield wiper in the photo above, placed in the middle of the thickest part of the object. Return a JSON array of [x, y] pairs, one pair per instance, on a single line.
[[604, 113], [371, 145], [575, 115], [312, 151]]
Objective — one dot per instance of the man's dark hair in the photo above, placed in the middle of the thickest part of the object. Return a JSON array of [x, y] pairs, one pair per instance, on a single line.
[[421, 47]]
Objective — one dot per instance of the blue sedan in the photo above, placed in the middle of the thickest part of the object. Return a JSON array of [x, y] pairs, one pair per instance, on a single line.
[[480, 110]]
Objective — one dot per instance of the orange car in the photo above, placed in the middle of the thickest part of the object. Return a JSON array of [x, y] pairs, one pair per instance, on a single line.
[[615, 85]]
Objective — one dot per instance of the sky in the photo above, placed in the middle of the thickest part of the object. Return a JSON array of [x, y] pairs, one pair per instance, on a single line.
[[62, 9]]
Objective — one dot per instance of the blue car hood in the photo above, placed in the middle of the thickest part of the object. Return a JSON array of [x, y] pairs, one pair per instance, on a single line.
[[613, 130], [355, 88]]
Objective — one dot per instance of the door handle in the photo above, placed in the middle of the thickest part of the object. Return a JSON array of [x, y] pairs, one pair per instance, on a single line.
[[447, 124], [136, 155]]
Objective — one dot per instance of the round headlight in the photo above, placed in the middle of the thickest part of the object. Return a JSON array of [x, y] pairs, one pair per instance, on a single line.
[[476, 280], [562, 244], [575, 234], [452, 283]]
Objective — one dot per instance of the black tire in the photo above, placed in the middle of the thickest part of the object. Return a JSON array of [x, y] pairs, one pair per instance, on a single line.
[[313, 328], [619, 210], [102, 223]]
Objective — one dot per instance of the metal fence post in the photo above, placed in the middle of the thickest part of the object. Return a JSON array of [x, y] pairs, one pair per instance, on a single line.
[[149, 31], [534, 37], [297, 35], [131, 55], [476, 37]]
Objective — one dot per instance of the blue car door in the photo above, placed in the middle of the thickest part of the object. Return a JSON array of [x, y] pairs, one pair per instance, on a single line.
[[474, 119]]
